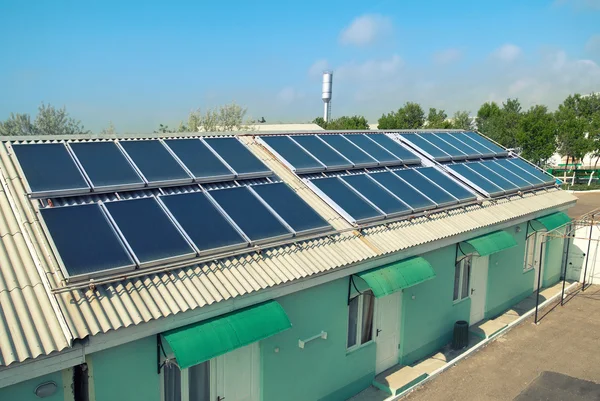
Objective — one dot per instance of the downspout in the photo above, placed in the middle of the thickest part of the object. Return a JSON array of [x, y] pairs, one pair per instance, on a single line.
[[43, 278]]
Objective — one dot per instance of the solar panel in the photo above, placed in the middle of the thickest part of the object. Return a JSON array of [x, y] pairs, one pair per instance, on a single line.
[[384, 157], [427, 147], [149, 231], [426, 187], [297, 159], [349, 151], [155, 162], [326, 155], [540, 175], [49, 169], [500, 181], [348, 202], [245, 164], [519, 180], [487, 143], [378, 195], [409, 195], [455, 153], [395, 148], [485, 185], [206, 226], [106, 166], [200, 160], [292, 208], [85, 240], [446, 182], [460, 136], [470, 151], [250, 214]]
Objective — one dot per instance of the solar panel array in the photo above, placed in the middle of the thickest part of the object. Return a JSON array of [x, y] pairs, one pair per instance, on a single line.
[[58, 169], [501, 176], [368, 197], [103, 238], [448, 146], [333, 152]]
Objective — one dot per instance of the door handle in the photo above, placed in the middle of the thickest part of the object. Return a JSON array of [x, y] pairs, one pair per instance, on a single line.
[[219, 398], [472, 291], [377, 332]]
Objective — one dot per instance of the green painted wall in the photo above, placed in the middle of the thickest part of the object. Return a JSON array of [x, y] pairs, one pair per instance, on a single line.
[[24, 391], [126, 372], [427, 321], [553, 260], [322, 370], [507, 284]]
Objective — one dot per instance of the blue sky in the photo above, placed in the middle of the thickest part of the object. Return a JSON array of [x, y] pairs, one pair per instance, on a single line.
[[139, 64]]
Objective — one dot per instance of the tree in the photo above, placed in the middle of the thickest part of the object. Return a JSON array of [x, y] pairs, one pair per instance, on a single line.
[[500, 124], [462, 120], [109, 131], [438, 119], [410, 116], [489, 119], [343, 123], [48, 121], [536, 135], [17, 124], [571, 133]]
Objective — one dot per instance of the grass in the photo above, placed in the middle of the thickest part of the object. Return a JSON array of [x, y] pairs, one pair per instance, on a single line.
[[580, 187]]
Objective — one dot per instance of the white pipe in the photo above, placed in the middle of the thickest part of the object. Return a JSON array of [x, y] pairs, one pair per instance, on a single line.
[[326, 111], [590, 180]]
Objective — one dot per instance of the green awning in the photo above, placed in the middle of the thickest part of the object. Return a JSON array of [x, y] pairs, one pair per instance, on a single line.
[[394, 277], [552, 221], [199, 342], [490, 243]]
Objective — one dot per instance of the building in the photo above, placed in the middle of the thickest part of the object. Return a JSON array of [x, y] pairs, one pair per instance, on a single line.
[[313, 316]]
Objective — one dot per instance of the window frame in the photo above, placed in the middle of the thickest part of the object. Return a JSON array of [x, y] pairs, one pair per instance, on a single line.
[[359, 322], [184, 379], [462, 264], [532, 240]]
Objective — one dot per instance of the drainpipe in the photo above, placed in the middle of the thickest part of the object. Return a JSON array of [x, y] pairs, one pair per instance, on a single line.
[[539, 280]]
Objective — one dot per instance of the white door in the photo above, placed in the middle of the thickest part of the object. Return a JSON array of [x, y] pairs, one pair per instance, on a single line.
[[479, 274], [538, 261], [237, 374], [387, 331]]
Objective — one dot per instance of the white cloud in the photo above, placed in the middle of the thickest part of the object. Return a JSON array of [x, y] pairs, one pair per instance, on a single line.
[[366, 30], [317, 68], [593, 45], [447, 56], [580, 4], [507, 52], [376, 69], [289, 95]]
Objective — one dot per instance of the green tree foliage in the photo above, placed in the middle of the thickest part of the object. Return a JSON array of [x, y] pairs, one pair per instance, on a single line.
[[343, 123], [462, 120], [48, 121], [438, 119], [410, 116], [575, 118], [536, 135], [500, 124]]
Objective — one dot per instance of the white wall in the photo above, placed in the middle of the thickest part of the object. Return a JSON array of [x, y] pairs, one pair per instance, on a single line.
[[578, 256]]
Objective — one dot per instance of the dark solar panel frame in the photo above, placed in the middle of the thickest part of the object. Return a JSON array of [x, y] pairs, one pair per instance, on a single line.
[[418, 141], [497, 191], [469, 151], [406, 155], [53, 192], [483, 150], [371, 163], [284, 160], [406, 211], [339, 209], [108, 188], [159, 183], [491, 175], [498, 151], [452, 180], [454, 152], [510, 175], [396, 179], [433, 184], [98, 273], [548, 180], [391, 159], [344, 165], [172, 220], [264, 172]]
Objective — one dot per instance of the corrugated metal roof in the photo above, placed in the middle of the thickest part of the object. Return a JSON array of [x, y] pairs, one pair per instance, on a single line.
[[141, 299]]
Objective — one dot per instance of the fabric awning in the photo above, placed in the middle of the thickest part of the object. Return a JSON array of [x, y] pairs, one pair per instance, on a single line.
[[394, 277], [552, 221], [490, 243], [199, 342]]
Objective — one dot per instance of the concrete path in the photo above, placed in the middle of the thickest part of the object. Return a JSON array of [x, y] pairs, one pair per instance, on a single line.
[[567, 341]]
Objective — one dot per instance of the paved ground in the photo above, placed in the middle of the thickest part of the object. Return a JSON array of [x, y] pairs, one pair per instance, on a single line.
[[585, 203], [554, 386], [567, 341]]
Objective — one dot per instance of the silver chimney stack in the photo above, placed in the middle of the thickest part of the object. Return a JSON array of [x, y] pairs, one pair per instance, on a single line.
[[327, 84]]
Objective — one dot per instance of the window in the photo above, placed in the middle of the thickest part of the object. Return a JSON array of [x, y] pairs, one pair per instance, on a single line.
[[462, 278], [361, 311], [192, 384], [530, 252]]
